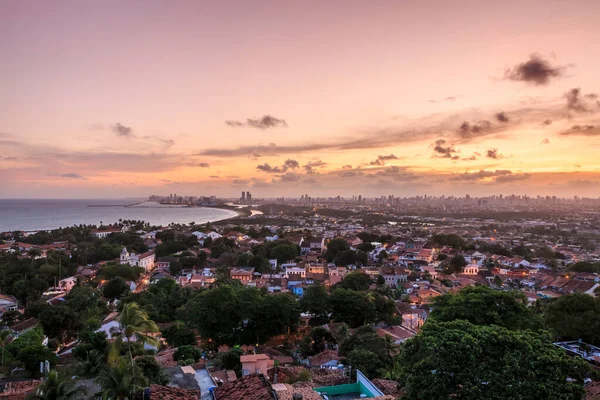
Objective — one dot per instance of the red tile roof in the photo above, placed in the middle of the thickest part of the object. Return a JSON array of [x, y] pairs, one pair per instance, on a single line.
[[158, 392], [249, 387]]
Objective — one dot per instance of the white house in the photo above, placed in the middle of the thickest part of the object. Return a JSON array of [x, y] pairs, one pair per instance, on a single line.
[[105, 232], [471, 269], [66, 284], [7, 303], [144, 260]]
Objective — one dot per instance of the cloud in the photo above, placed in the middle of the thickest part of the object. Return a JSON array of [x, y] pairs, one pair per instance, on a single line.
[[583, 183], [397, 173], [268, 169], [349, 174], [311, 165], [444, 150], [122, 130], [287, 165], [449, 98], [546, 141], [581, 130], [290, 177], [577, 102], [240, 182], [347, 166], [502, 117], [70, 175], [546, 122], [493, 153], [262, 123], [535, 71], [471, 130], [214, 176], [291, 164], [382, 159], [203, 165], [479, 175], [512, 178]]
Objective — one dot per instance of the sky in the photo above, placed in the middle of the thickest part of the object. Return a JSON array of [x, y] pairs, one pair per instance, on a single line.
[[118, 99]]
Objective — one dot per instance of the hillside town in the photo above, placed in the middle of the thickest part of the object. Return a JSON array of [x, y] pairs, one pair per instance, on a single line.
[[305, 300]]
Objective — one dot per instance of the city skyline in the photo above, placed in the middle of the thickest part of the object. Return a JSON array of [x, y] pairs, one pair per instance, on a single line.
[[281, 99]]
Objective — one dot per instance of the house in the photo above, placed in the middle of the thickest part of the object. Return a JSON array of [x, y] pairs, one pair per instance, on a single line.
[[316, 244], [326, 358], [17, 389], [103, 233], [398, 333], [66, 284], [159, 392], [394, 275], [256, 363], [240, 274], [24, 326], [429, 269], [471, 269], [144, 260], [249, 387], [201, 235], [7, 303]]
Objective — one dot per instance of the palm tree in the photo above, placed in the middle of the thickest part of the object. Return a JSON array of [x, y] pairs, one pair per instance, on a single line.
[[119, 382], [58, 387], [93, 363], [4, 336], [133, 324]]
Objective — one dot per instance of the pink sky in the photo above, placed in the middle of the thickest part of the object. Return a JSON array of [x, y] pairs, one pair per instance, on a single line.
[[346, 83]]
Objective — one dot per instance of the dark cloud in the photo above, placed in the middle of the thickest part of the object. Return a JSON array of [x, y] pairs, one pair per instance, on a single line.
[[449, 98], [268, 169], [471, 130], [214, 176], [583, 183], [479, 175], [493, 153], [382, 159], [287, 165], [290, 177], [349, 174], [444, 150], [581, 130], [311, 165], [310, 181], [203, 165], [264, 122], [547, 122], [578, 102], [512, 178], [535, 71], [122, 130], [502, 117], [72, 176], [397, 173], [347, 166], [472, 158], [291, 164], [240, 182]]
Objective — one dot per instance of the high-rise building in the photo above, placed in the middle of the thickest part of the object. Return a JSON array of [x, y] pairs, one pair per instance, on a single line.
[[243, 196], [248, 196]]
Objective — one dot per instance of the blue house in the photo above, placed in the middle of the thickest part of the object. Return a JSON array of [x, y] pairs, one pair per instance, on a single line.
[[296, 288]]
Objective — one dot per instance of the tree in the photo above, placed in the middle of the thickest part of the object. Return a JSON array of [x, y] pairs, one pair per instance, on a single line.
[[11, 317], [352, 307], [150, 368], [365, 361], [481, 305], [456, 264], [466, 361], [133, 324], [334, 247], [58, 387], [356, 281], [179, 335], [5, 336], [29, 350], [115, 288], [120, 381], [315, 301], [187, 352], [284, 253], [318, 340], [573, 317], [231, 360]]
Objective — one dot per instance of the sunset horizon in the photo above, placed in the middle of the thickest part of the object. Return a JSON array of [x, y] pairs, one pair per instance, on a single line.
[[114, 100]]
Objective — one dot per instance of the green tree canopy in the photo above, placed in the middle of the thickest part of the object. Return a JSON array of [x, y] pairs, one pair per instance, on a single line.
[[481, 305], [573, 317], [461, 360], [315, 301], [356, 280]]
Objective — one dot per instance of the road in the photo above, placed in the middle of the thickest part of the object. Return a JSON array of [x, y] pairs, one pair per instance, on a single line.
[[205, 382]]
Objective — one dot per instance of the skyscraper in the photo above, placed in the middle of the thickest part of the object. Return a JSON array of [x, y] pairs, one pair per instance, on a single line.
[[243, 198], [248, 196]]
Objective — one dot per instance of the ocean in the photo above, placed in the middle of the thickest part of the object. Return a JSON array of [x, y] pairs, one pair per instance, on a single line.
[[33, 215]]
